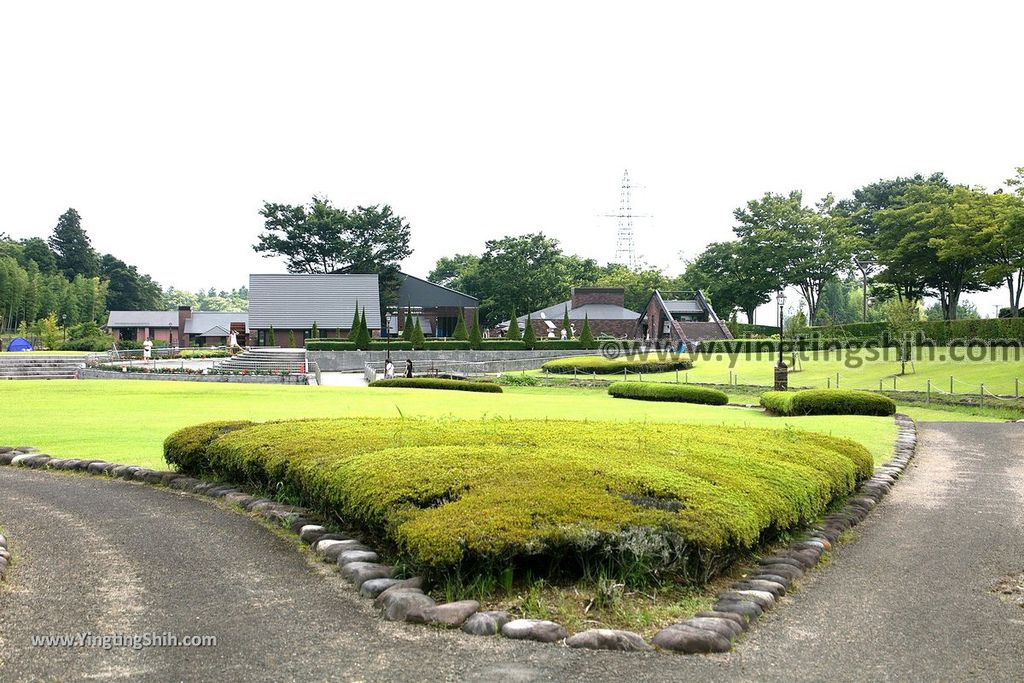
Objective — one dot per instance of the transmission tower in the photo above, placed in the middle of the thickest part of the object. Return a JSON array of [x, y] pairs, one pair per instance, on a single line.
[[625, 242]]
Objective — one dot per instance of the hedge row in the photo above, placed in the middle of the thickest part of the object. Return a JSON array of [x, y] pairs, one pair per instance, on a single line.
[[827, 402], [610, 366], [375, 345], [940, 331], [681, 393], [456, 345], [437, 383], [485, 495], [446, 345]]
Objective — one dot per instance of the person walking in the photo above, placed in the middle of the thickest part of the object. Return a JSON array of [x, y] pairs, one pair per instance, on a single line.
[[408, 368]]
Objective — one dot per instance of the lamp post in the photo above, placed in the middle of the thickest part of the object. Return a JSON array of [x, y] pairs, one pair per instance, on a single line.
[[781, 370], [387, 337], [64, 324]]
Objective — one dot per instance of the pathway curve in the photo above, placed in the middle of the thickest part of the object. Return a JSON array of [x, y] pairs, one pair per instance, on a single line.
[[910, 599]]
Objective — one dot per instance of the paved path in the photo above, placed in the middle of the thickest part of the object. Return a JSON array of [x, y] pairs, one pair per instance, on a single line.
[[910, 599]]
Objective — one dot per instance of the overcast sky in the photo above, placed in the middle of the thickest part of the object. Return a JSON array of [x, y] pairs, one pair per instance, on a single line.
[[167, 125]]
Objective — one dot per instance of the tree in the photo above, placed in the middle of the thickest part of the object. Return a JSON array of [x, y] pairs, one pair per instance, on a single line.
[[638, 283], [1001, 239], [731, 276], [314, 331], [418, 340], [529, 336], [964, 311], [291, 339], [456, 272], [904, 319], [320, 238], [72, 247], [476, 339], [408, 325], [363, 336], [271, 339], [566, 325], [49, 332], [461, 334], [513, 333], [934, 230], [797, 245], [36, 249], [127, 290], [353, 332], [586, 336], [525, 272]]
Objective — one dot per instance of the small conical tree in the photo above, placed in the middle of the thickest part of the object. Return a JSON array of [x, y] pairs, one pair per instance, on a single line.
[[418, 339], [528, 335], [476, 339], [513, 333], [314, 332], [586, 336], [291, 339], [461, 333], [271, 340], [363, 335], [409, 327], [353, 331], [337, 333], [566, 325]]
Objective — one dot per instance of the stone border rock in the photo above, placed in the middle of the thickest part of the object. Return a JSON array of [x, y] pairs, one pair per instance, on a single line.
[[734, 611], [5, 557]]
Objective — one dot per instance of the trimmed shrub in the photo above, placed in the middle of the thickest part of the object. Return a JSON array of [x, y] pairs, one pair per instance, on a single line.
[[314, 331], [472, 495], [515, 379], [186, 448], [827, 402], [437, 383], [682, 393], [353, 332], [409, 326], [271, 338], [586, 336], [502, 345], [460, 333], [325, 345], [514, 333], [384, 345], [446, 345], [475, 336], [363, 337], [610, 366], [529, 336], [291, 339], [417, 335], [566, 325]]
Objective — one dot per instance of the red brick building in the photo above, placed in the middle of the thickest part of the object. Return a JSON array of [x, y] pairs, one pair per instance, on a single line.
[[604, 307]]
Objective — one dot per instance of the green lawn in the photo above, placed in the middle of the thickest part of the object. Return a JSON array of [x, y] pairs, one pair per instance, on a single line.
[[860, 370], [127, 421]]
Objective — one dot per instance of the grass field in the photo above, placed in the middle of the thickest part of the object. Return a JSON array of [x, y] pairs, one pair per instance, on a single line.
[[862, 370], [127, 421]]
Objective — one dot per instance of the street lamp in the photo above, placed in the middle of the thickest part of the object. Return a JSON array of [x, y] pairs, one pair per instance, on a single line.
[[781, 371], [387, 336]]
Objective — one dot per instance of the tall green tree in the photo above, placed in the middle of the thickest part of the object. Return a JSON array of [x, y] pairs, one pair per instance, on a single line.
[[731, 275], [529, 336], [409, 325], [476, 338], [321, 238], [798, 245], [353, 331], [72, 247], [513, 334], [461, 334], [586, 335]]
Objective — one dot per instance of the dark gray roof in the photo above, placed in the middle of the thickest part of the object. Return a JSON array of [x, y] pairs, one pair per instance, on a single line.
[[419, 293], [295, 301], [556, 312], [143, 319], [207, 323]]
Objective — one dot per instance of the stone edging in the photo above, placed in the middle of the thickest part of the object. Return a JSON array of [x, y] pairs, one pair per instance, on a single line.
[[734, 611], [5, 557]]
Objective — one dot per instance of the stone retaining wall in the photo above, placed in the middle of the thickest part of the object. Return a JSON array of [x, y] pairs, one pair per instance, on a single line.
[[445, 361], [93, 373]]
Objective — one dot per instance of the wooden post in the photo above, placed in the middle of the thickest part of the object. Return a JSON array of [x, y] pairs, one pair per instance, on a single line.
[[837, 380], [894, 382], [879, 384], [1016, 388], [982, 394], [929, 399], [677, 375], [686, 377], [828, 382], [951, 385]]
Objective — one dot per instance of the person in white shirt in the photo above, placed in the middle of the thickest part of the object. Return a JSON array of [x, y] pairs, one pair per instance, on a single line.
[[147, 349]]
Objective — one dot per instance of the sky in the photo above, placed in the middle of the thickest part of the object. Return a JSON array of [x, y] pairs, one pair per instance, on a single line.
[[167, 125]]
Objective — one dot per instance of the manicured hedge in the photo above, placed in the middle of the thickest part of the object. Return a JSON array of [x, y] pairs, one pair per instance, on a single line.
[[437, 383], [827, 402], [502, 345], [329, 345], [681, 393], [446, 345], [610, 366], [444, 494]]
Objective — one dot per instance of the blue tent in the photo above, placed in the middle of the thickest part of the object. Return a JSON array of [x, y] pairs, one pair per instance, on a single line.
[[19, 344]]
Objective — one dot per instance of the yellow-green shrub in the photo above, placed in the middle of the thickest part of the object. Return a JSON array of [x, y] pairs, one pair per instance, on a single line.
[[452, 494], [610, 366], [680, 393], [827, 402]]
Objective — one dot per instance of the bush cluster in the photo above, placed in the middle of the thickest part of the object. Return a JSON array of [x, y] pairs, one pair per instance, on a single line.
[[502, 345], [827, 402], [471, 495], [514, 379], [446, 345], [656, 391], [437, 383], [610, 366]]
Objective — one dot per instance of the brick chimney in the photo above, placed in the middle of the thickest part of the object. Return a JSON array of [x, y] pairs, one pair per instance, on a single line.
[[184, 313], [614, 296]]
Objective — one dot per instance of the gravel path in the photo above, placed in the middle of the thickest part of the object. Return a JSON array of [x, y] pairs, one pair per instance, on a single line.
[[910, 599]]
